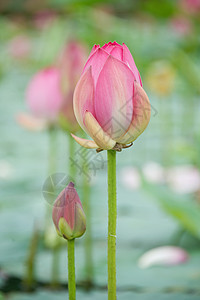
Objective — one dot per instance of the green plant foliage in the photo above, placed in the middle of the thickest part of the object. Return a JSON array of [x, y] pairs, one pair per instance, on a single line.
[[185, 211]]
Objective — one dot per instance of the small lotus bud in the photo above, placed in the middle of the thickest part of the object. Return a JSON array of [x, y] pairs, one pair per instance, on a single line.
[[68, 215]]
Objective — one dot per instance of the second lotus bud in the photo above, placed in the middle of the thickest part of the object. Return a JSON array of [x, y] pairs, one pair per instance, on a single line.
[[68, 215]]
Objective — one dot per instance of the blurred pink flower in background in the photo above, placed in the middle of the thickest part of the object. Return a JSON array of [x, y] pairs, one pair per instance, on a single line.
[[109, 101], [130, 178], [70, 63], [19, 47], [44, 18], [160, 77], [163, 256], [154, 172], [190, 6], [184, 179], [181, 25], [30, 122], [44, 97]]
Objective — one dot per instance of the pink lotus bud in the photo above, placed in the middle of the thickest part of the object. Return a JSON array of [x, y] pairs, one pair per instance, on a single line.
[[71, 63], [109, 101], [44, 96], [164, 256], [68, 215]]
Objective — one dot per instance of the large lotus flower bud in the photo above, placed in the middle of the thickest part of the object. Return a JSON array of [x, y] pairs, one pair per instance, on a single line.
[[68, 215], [109, 101], [71, 63], [44, 96]]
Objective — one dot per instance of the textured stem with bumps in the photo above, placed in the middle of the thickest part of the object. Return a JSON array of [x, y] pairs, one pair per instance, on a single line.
[[112, 217], [71, 271]]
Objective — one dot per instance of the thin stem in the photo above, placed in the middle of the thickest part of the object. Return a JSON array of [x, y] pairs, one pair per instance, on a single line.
[[71, 271], [71, 145], [112, 217]]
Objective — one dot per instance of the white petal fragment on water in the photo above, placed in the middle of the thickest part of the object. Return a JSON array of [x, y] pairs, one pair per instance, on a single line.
[[163, 256]]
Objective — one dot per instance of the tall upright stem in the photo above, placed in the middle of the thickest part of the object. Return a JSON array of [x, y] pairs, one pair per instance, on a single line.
[[71, 271], [112, 217]]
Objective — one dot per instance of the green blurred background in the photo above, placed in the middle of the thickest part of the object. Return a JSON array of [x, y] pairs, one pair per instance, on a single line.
[[158, 178]]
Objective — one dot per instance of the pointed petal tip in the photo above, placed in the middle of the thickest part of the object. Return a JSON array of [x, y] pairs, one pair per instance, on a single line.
[[85, 143], [71, 184]]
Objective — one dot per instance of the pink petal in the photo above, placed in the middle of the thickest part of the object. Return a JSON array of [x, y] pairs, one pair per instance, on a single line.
[[101, 138], [109, 46], [128, 59], [30, 122], [96, 61], [164, 256], [141, 115], [85, 143], [94, 48], [117, 52], [113, 97], [84, 97]]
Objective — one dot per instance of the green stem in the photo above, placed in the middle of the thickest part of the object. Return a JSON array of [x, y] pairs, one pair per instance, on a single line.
[[112, 216], [72, 169], [71, 271], [88, 237]]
